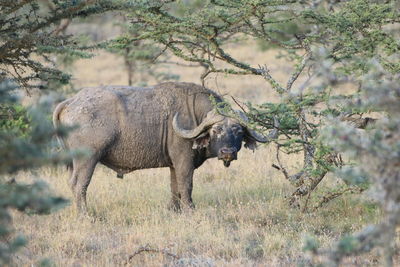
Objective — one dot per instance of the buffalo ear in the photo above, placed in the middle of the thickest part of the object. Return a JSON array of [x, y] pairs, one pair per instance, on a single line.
[[201, 141], [249, 142]]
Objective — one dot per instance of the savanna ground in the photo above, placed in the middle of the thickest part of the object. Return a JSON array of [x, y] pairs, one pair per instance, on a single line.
[[241, 216]]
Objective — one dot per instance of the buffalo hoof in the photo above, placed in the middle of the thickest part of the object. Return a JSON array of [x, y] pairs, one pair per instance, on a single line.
[[85, 216], [179, 207], [187, 207], [174, 206]]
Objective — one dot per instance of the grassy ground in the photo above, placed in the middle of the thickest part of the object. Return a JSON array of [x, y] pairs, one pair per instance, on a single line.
[[241, 216], [241, 219]]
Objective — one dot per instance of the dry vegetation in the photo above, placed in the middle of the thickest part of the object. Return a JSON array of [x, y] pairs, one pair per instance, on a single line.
[[241, 217]]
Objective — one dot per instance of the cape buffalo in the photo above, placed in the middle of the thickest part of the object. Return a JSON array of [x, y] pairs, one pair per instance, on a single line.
[[171, 125]]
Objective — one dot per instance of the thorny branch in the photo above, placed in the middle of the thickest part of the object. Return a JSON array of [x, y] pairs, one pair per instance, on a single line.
[[274, 125], [299, 69]]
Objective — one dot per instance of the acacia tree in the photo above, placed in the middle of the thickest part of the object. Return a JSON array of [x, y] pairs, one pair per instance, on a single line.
[[376, 151], [295, 28], [364, 50], [329, 43], [350, 35], [32, 27], [28, 37]]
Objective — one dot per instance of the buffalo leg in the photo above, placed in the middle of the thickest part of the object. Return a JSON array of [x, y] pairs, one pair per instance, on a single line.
[[80, 180], [176, 198], [184, 177]]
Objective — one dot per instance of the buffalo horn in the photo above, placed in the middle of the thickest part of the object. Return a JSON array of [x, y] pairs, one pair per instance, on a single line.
[[255, 135], [211, 118]]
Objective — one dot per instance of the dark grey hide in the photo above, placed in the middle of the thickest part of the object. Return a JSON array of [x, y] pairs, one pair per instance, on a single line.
[[128, 128]]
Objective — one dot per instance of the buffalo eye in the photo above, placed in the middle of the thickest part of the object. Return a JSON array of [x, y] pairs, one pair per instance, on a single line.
[[237, 130], [217, 130]]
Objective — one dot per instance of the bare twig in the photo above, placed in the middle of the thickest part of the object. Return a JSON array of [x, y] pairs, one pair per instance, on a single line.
[[275, 125], [62, 27], [179, 64], [299, 69], [357, 120], [149, 249], [159, 54], [332, 195], [264, 71], [294, 179]]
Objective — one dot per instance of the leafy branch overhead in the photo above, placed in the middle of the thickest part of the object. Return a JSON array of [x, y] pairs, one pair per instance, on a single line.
[[28, 40], [328, 44], [200, 36], [309, 32], [29, 37], [25, 144]]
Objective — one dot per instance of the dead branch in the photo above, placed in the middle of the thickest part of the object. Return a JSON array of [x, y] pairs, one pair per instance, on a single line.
[[297, 179], [149, 249], [294, 179], [357, 120], [308, 184], [332, 195]]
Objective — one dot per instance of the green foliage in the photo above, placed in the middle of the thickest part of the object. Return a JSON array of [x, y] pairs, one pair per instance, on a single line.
[[27, 29], [354, 42], [199, 36], [348, 244], [29, 198], [374, 150], [32, 148], [25, 143], [28, 40], [350, 31], [357, 31], [13, 118], [310, 244]]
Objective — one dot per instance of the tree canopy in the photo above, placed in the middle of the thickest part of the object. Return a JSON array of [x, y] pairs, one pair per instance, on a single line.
[[329, 44]]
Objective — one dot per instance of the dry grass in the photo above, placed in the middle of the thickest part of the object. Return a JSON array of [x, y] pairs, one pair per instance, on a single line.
[[241, 217]]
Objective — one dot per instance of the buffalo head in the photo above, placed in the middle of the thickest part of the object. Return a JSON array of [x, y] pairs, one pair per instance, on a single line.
[[221, 136]]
